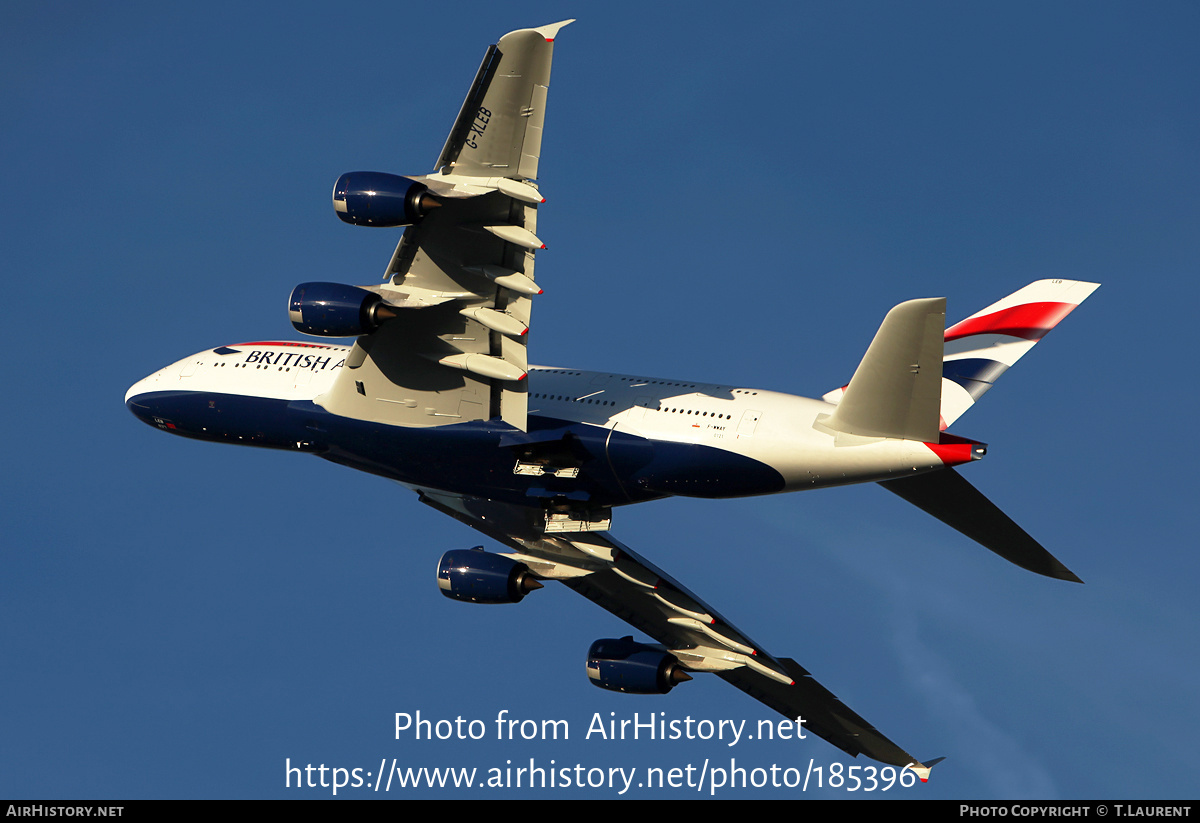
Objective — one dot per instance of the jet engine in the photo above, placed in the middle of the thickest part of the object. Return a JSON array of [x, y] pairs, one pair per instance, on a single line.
[[336, 310], [625, 666], [483, 577], [373, 198]]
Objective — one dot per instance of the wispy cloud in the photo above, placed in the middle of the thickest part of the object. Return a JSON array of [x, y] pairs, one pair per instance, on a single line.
[[979, 744], [995, 755]]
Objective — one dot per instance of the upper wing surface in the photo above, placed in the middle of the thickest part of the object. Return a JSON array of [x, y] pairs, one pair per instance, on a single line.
[[614, 577], [461, 279]]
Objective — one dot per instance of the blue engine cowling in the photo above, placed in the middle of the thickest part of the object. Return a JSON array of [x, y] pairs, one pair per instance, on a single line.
[[333, 310], [373, 198], [625, 666], [483, 577]]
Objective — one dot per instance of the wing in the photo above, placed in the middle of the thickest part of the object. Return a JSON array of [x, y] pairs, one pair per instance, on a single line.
[[499, 127], [461, 280], [617, 579]]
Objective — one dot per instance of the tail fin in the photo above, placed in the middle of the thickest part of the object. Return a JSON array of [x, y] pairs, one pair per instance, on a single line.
[[986, 344], [981, 348]]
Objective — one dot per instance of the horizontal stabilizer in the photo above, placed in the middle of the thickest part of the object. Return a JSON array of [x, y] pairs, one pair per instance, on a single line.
[[950, 498], [897, 389]]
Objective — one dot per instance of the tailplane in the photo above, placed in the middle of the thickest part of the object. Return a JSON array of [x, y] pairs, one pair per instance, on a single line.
[[950, 498]]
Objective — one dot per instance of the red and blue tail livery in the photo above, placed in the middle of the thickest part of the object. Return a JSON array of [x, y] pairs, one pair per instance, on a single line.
[[984, 346]]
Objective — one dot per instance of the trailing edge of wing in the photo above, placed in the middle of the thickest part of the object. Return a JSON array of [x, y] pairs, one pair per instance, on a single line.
[[950, 498]]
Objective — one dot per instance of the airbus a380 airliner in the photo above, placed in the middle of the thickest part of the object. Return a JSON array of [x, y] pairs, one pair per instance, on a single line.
[[436, 393]]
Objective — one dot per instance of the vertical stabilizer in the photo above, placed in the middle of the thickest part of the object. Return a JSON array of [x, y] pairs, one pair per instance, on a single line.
[[986, 344], [897, 389]]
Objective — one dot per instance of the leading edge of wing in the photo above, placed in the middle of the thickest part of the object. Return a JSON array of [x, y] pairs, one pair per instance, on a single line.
[[617, 579]]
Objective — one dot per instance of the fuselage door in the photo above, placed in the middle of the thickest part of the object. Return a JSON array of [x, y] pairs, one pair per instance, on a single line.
[[749, 422]]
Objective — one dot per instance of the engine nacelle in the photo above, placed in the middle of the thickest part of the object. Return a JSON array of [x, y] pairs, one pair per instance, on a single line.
[[373, 198], [334, 310], [625, 666], [483, 577]]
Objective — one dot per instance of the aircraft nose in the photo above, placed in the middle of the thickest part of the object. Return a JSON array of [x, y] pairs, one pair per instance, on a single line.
[[140, 399], [137, 388], [155, 403], [153, 382]]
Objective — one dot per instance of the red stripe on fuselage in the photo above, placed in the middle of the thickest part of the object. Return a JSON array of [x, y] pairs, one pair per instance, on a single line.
[[286, 343]]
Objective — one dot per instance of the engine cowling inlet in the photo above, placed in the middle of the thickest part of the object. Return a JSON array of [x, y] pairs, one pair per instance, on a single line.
[[375, 198], [626, 666], [336, 310], [477, 576]]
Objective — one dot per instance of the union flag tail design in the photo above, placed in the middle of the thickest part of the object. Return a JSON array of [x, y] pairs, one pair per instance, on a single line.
[[982, 347]]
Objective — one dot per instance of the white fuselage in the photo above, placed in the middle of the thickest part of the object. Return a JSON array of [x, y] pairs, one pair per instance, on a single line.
[[690, 421]]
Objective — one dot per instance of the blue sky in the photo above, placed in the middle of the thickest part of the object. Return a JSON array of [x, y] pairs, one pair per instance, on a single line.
[[735, 194]]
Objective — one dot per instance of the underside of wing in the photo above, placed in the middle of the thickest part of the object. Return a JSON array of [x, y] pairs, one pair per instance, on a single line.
[[451, 345], [456, 349], [690, 632]]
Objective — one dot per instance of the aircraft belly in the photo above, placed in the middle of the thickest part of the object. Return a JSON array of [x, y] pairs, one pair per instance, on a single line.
[[226, 418], [694, 470], [641, 467]]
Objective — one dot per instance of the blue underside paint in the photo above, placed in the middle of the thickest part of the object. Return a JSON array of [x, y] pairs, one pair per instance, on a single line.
[[475, 458]]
